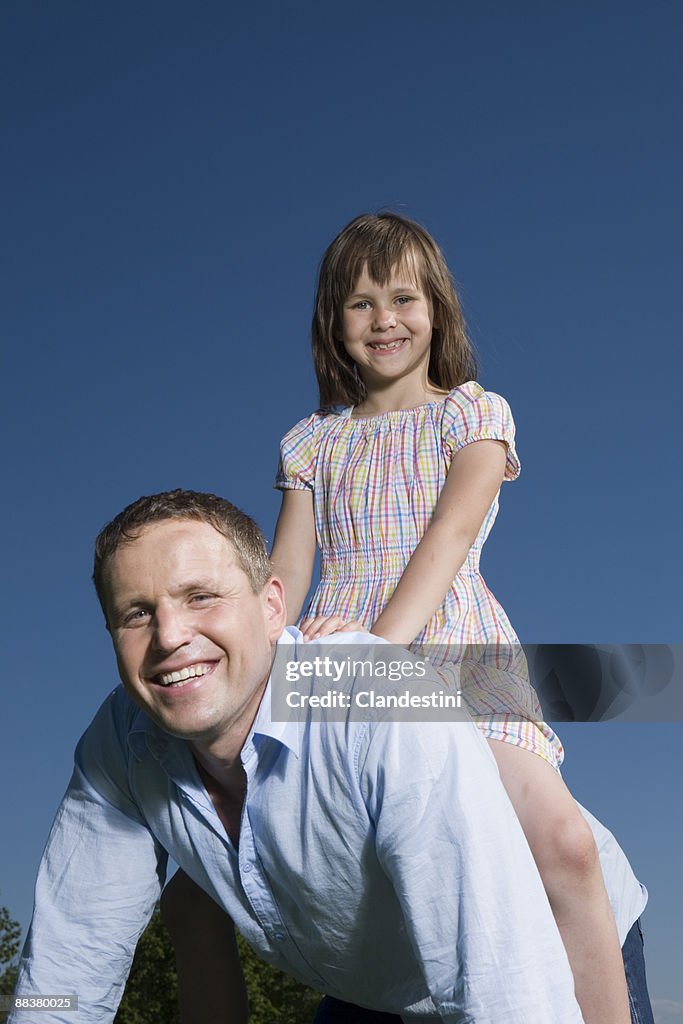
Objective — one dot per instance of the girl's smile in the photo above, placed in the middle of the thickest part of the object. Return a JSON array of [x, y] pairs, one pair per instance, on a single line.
[[388, 346]]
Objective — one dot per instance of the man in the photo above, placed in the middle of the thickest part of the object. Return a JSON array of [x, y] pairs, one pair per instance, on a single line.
[[378, 861]]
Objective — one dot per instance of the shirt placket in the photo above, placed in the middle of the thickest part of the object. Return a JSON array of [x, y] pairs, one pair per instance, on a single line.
[[251, 873], [258, 891]]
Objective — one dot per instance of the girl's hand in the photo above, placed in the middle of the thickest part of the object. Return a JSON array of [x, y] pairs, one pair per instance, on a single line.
[[323, 625]]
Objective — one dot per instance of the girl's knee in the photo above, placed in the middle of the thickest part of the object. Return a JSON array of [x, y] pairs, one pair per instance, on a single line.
[[568, 850]]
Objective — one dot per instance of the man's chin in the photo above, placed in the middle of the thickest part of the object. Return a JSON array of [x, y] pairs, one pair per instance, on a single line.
[[182, 726], [189, 729]]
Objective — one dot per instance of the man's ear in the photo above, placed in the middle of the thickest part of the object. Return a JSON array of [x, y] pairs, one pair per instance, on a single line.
[[275, 607]]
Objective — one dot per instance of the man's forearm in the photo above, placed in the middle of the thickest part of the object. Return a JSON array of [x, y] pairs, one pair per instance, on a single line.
[[97, 886]]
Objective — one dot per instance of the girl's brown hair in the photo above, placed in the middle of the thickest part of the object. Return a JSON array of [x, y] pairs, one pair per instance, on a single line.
[[385, 242]]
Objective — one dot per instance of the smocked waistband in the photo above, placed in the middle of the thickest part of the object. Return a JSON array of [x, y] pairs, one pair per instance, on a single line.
[[387, 563]]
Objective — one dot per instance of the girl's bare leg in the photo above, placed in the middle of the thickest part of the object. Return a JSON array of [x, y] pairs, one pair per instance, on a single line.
[[210, 982], [567, 859]]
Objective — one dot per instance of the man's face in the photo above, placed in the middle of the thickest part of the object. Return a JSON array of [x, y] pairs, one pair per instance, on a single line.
[[192, 640]]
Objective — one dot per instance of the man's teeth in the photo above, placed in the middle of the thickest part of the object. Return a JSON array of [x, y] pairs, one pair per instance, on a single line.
[[386, 344], [180, 677]]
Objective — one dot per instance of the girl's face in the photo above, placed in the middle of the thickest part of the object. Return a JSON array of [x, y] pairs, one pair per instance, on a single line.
[[387, 329]]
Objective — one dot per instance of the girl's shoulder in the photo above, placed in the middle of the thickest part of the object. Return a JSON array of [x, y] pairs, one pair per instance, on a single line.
[[473, 414], [299, 451], [469, 401], [310, 427]]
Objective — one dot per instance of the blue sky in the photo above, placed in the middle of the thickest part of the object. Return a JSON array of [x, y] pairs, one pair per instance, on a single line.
[[175, 171]]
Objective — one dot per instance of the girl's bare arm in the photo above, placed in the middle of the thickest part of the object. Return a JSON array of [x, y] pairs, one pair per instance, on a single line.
[[472, 483], [294, 545]]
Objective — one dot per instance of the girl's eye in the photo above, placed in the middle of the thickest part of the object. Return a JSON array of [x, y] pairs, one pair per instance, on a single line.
[[363, 304], [402, 299]]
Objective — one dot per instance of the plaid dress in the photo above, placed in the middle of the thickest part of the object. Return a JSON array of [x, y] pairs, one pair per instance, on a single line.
[[375, 484]]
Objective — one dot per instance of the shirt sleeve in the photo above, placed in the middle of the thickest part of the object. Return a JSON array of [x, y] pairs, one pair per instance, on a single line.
[[296, 469], [472, 414], [472, 900], [98, 882]]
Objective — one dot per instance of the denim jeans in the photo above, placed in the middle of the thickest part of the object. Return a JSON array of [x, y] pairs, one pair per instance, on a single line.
[[334, 1011], [634, 965]]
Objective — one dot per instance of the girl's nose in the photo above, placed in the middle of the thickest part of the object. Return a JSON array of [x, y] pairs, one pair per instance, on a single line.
[[384, 319]]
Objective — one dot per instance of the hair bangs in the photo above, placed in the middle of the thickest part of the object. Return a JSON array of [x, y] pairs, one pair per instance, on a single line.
[[383, 248]]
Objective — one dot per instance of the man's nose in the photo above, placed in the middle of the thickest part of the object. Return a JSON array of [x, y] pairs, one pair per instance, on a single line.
[[172, 628]]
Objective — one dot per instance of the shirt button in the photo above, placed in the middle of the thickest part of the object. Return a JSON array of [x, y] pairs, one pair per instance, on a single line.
[[247, 868], [280, 936]]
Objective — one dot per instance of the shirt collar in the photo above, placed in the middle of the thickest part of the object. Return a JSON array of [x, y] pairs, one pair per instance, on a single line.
[[287, 733]]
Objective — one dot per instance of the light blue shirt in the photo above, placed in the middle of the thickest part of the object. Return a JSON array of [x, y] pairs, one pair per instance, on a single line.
[[380, 862]]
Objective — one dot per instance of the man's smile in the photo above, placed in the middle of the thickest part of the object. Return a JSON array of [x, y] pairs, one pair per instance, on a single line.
[[181, 676]]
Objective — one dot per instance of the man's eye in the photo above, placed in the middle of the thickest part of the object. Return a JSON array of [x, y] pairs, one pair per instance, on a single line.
[[201, 598], [135, 617]]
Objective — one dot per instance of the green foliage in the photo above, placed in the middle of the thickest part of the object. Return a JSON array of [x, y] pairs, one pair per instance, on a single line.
[[9, 937], [10, 932], [8, 980], [151, 992], [274, 997]]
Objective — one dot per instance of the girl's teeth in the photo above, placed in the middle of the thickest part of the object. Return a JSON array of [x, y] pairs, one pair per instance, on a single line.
[[386, 344]]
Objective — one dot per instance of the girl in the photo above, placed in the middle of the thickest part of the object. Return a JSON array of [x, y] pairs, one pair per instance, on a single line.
[[399, 490]]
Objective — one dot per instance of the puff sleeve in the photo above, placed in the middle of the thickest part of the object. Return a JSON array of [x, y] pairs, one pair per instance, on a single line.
[[472, 414], [296, 469]]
